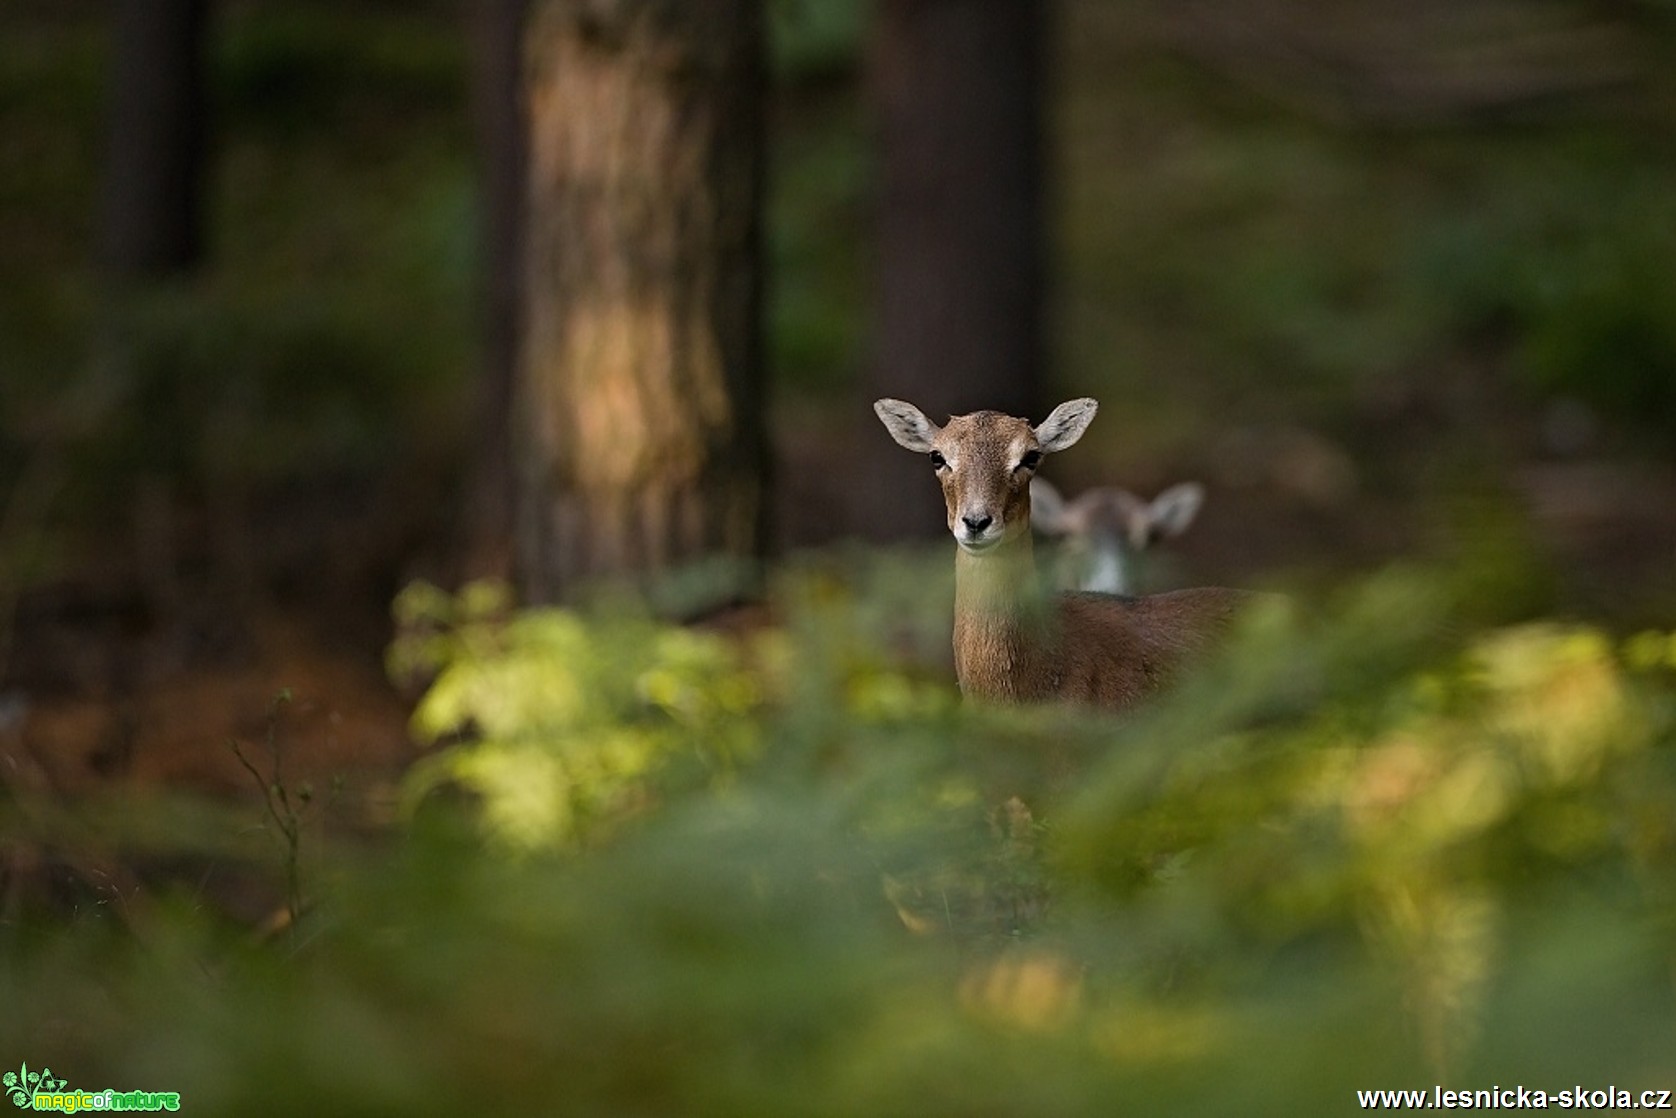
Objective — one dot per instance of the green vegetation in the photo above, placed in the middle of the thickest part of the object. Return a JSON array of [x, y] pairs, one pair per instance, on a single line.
[[778, 875]]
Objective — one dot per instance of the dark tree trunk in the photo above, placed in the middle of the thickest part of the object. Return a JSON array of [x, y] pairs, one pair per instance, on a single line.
[[958, 92], [153, 220], [496, 30], [640, 410]]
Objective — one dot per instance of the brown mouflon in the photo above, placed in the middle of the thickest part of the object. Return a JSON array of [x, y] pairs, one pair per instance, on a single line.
[[1015, 639]]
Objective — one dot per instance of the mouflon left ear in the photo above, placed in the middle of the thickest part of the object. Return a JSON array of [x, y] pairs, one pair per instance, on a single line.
[[906, 424], [1065, 424]]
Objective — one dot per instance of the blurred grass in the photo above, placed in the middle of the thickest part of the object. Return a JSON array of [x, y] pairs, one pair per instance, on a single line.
[[1368, 849]]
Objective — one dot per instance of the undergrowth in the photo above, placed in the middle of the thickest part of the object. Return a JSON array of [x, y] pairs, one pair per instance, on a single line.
[[653, 870]]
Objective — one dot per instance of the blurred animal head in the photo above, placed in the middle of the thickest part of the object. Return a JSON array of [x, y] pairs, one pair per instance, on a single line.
[[1103, 530]]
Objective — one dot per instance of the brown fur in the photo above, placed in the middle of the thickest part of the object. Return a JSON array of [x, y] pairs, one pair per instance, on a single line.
[[1015, 640], [1100, 649]]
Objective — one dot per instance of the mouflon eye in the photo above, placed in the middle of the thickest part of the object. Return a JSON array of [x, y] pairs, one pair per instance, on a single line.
[[937, 460], [1030, 461]]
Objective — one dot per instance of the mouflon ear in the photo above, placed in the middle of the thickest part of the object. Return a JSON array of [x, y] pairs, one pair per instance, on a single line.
[[1065, 425], [1174, 509], [906, 424], [1047, 509]]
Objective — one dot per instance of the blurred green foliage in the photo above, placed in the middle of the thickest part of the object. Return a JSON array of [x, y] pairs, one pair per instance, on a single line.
[[1229, 251], [330, 328], [815, 38], [1583, 289], [785, 873], [567, 718], [819, 183]]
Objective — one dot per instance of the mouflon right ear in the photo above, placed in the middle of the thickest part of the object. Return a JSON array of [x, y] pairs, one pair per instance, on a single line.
[[906, 424]]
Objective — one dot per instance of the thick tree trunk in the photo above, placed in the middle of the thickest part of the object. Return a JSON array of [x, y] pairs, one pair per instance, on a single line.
[[496, 30], [640, 409], [153, 219], [958, 92]]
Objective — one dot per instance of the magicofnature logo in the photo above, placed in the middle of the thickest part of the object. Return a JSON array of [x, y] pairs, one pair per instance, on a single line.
[[22, 1084], [41, 1090]]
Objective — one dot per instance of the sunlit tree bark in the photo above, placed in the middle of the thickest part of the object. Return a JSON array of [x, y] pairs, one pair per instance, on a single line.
[[639, 409]]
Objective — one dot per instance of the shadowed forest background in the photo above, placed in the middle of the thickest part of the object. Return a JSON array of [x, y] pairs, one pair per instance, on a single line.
[[308, 791]]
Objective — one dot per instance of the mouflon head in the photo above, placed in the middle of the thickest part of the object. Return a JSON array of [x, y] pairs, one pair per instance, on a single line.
[[984, 462]]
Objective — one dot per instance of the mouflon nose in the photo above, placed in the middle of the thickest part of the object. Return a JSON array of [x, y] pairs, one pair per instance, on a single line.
[[976, 524]]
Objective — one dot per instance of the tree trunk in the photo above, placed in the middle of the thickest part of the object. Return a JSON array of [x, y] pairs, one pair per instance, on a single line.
[[153, 220], [496, 30], [958, 93], [640, 410]]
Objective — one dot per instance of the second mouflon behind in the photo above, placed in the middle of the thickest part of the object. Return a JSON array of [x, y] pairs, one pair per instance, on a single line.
[[1104, 532]]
